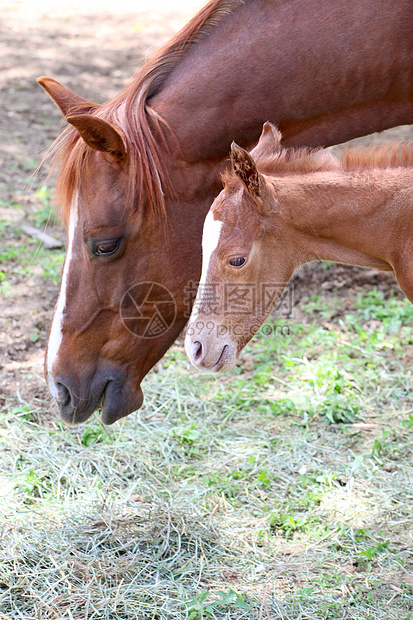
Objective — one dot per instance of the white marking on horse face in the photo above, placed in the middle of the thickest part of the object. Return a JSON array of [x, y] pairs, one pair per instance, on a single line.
[[56, 335], [210, 240]]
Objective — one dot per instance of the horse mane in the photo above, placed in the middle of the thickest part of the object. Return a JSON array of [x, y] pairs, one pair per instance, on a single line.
[[306, 160], [138, 122]]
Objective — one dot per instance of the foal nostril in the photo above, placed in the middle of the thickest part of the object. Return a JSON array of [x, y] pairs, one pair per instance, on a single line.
[[197, 350], [63, 395]]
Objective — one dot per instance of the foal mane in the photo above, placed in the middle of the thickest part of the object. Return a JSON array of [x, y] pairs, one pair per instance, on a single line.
[[138, 122], [306, 160], [302, 160], [397, 155], [286, 161]]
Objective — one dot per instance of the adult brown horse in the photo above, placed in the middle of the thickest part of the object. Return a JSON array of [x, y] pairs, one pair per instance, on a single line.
[[139, 173]]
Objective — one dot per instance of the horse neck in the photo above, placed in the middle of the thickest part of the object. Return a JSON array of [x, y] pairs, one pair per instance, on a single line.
[[353, 218], [242, 74]]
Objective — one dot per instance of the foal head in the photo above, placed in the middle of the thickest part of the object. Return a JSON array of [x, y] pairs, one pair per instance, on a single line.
[[245, 260]]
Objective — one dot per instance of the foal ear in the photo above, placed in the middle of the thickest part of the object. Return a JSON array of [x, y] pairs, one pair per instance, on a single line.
[[99, 135], [269, 142], [68, 102], [244, 167]]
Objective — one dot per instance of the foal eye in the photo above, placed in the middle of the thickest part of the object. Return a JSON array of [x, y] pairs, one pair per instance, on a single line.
[[105, 248], [237, 262]]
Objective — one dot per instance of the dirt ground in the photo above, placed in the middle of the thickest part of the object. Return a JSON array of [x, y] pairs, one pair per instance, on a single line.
[[93, 48]]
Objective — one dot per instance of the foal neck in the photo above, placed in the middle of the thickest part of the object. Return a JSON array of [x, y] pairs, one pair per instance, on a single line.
[[351, 217]]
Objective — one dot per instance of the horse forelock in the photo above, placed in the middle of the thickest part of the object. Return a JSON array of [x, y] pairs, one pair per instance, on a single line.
[[130, 110], [146, 176]]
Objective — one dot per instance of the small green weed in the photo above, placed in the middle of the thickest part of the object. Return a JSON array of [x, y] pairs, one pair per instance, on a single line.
[[199, 608], [408, 423], [34, 485], [187, 434], [92, 436], [289, 524], [381, 445], [338, 410], [370, 552]]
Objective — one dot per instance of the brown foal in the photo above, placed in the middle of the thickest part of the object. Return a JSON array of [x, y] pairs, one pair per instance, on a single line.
[[281, 208]]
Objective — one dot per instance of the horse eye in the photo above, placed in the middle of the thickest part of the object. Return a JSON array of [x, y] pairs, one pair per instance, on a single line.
[[237, 262], [106, 247]]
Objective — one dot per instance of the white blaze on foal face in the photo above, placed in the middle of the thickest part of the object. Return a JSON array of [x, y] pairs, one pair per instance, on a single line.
[[208, 344], [55, 337], [210, 240]]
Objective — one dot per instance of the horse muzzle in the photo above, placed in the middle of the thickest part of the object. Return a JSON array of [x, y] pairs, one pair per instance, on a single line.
[[107, 392], [210, 353]]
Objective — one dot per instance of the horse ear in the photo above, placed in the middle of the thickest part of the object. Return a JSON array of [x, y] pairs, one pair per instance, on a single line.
[[269, 142], [99, 135], [68, 102], [244, 167]]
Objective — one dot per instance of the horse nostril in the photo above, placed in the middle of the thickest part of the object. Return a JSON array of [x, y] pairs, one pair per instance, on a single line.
[[63, 395], [197, 350]]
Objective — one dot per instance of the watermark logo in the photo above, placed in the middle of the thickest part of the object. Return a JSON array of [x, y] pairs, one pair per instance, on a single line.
[[239, 299], [148, 310], [235, 331]]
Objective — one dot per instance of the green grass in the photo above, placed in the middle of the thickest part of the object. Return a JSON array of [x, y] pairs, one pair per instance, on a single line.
[[22, 256], [45, 213], [282, 490]]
